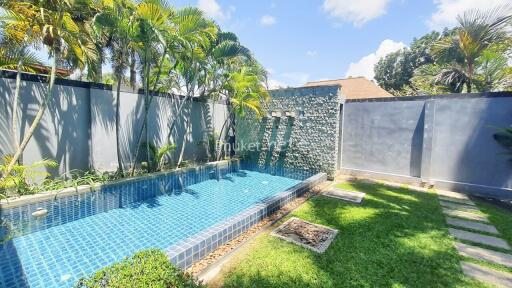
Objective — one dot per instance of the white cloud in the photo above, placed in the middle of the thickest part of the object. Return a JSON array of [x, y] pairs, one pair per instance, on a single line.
[[311, 53], [275, 84], [356, 11], [267, 20], [447, 11], [364, 67], [212, 9]]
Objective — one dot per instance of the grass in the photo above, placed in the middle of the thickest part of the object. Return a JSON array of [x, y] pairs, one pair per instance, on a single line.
[[396, 238]]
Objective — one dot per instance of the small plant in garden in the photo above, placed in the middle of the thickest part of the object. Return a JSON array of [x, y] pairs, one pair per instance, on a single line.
[[76, 178], [148, 268], [159, 156], [20, 180]]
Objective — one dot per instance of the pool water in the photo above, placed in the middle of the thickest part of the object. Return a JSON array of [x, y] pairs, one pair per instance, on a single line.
[[59, 255]]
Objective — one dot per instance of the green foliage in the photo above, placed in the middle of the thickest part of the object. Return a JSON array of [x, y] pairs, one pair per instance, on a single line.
[[158, 155], [470, 57], [74, 179], [148, 268], [394, 72], [20, 180]]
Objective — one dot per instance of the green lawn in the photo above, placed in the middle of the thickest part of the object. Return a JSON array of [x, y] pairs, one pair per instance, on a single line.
[[396, 238]]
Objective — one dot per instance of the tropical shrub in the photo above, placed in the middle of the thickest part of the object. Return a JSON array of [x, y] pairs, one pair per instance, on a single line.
[[21, 178], [148, 268]]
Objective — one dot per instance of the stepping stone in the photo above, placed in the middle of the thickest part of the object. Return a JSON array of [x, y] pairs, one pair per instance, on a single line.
[[471, 225], [464, 214], [351, 196], [451, 194], [458, 206], [479, 238], [484, 254], [487, 275], [456, 200]]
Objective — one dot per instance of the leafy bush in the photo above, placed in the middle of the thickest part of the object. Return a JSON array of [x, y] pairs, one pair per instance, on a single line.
[[22, 177], [158, 155], [148, 268], [75, 178]]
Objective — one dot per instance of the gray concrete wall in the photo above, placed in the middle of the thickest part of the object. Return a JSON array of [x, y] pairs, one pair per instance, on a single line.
[[446, 140], [308, 141], [78, 129], [64, 132]]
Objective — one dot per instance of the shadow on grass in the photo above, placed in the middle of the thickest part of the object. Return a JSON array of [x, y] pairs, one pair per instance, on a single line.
[[396, 238]]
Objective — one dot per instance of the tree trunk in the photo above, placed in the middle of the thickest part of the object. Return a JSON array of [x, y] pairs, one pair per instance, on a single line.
[[146, 104], [37, 119], [219, 150], [184, 143], [133, 71], [144, 121], [15, 140], [470, 76], [118, 128]]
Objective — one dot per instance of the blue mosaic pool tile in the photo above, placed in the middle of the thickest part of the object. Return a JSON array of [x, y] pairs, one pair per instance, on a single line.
[[85, 232]]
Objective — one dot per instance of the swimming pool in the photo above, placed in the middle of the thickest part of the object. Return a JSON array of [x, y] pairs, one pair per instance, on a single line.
[[83, 233]]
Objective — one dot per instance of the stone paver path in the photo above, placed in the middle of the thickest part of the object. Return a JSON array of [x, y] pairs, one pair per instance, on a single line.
[[457, 206], [484, 254], [479, 238], [488, 275], [456, 200], [471, 225], [465, 215], [462, 213]]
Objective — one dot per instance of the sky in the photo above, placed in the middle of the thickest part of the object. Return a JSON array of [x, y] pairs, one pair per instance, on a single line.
[[305, 40]]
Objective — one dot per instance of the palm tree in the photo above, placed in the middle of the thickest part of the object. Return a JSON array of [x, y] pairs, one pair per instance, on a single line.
[[477, 32], [61, 34], [117, 22], [152, 18], [245, 92], [15, 54], [187, 33]]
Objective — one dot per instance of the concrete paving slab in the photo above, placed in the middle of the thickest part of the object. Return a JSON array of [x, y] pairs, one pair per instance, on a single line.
[[456, 200], [351, 196], [465, 215], [484, 254], [457, 206], [479, 238], [452, 194], [487, 275], [471, 225]]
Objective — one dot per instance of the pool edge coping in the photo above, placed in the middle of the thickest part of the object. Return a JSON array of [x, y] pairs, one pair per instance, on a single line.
[[84, 189], [192, 249]]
